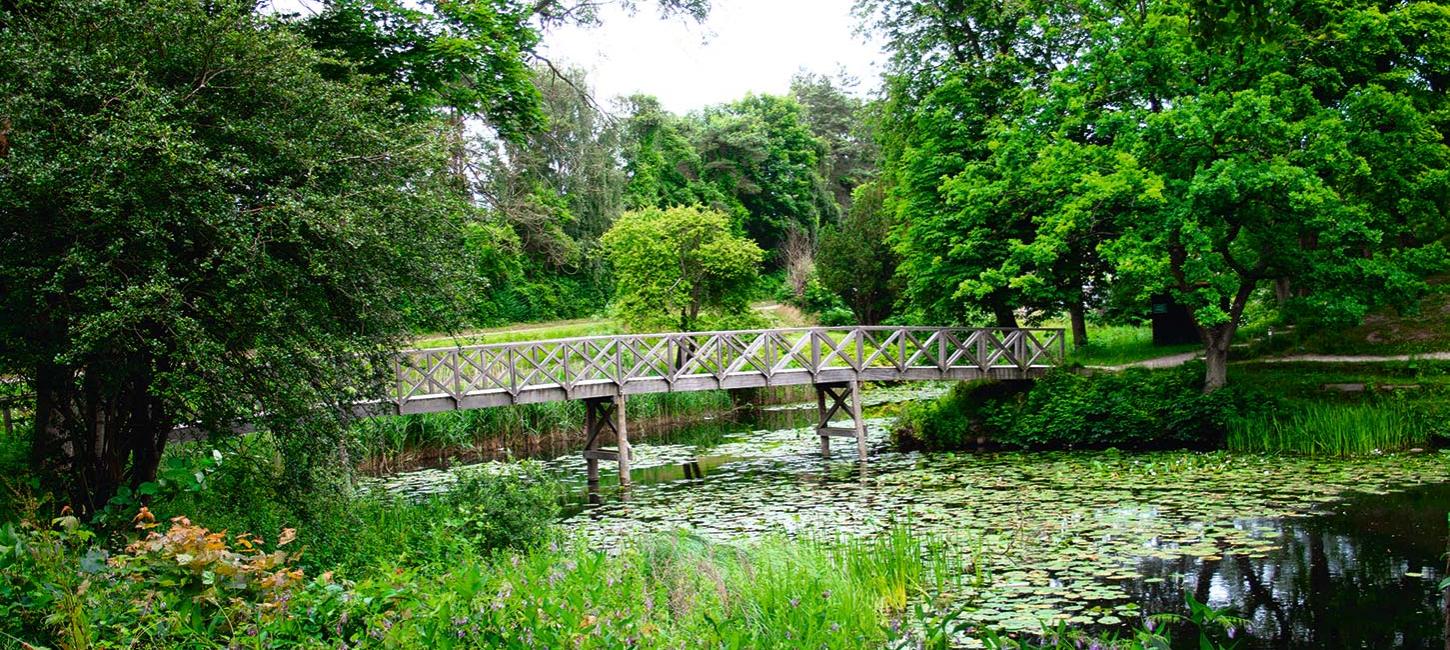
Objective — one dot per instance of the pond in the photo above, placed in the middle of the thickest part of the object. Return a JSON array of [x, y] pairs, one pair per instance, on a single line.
[[1312, 552]]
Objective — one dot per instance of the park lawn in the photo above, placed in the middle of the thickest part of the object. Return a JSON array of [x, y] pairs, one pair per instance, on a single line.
[[1114, 345]]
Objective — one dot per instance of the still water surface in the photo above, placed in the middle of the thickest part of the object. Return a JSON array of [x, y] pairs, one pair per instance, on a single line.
[[1312, 553]]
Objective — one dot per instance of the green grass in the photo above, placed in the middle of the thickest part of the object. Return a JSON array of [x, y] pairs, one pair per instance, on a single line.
[[1340, 430], [382, 443], [526, 332], [664, 591], [1113, 345]]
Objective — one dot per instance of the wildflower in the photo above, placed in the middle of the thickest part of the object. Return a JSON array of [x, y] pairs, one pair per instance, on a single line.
[[1148, 624], [835, 627], [795, 602], [1232, 631]]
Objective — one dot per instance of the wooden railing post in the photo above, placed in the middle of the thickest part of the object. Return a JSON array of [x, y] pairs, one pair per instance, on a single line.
[[815, 353]]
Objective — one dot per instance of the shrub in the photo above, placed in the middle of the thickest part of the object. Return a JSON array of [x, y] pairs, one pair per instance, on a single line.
[[954, 421], [350, 531], [494, 511], [1136, 408]]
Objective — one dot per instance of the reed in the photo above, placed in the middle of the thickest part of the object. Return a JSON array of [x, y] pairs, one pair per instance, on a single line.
[[1342, 430], [388, 443]]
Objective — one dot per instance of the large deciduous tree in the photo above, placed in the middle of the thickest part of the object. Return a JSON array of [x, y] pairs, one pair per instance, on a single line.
[[199, 226], [678, 267], [1278, 141], [1171, 146]]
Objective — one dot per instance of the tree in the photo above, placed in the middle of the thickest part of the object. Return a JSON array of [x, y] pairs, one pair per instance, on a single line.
[[471, 57], [753, 159], [959, 71], [558, 189], [661, 162], [842, 122], [1276, 155], [678, 267], [855, 260], [200, 226], [1187, 149], [759, 151]]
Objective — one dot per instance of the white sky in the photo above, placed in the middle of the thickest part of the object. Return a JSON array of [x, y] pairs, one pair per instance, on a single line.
[[744, 46]]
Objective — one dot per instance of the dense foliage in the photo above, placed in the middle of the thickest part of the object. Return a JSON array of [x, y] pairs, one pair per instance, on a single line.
[[754, 159], [199, 225], [1134, 409], [1040, 155], [680, 267]]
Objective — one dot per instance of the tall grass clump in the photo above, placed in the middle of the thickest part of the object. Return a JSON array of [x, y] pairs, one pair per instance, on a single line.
[[384, 441], [1330, 429]]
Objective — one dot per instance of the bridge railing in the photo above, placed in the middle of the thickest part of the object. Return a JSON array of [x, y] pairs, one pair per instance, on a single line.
[[529, 371]]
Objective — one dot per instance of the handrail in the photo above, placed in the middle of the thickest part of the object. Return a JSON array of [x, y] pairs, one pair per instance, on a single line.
[[492, 374]]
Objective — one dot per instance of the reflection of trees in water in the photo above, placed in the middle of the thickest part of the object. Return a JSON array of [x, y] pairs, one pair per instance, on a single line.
[[1334, 582]]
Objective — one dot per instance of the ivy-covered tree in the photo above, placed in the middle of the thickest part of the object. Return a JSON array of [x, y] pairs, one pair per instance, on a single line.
[[548, 195], [679, 267], [760, 151], [753, 159], [660, 160], [199, 226]]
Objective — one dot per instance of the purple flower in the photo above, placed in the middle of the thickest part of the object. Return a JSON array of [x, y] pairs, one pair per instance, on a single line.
[[1148, 624], [795, 602], [1232, 631]]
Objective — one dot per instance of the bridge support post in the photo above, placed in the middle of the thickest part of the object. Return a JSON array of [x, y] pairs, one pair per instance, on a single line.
[[846, 397], [602, 413]]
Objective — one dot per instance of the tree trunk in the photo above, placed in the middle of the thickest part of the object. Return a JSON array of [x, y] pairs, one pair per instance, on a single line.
[[1216, 341], [95, 432], [1283, 291], [1003, 313], [1079, 324]]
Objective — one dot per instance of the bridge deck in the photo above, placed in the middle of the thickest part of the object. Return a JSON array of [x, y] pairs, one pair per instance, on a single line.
[[500, 374]]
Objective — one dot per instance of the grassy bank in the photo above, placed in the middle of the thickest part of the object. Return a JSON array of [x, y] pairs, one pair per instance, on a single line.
[[425, 577], [1309, 408], [387, 444]]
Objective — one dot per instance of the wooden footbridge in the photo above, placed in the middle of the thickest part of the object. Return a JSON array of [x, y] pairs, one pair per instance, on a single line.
[[604, 370]]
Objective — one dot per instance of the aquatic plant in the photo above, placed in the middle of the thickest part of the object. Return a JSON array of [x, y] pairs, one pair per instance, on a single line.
[[385, 444], [1319, 429]]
